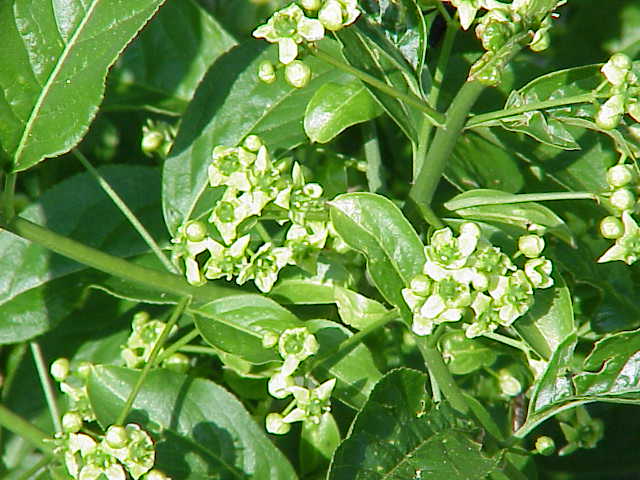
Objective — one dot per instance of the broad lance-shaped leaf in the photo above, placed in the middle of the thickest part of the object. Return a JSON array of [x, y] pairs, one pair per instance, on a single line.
[[374, 226], [37, 287], [335, 107], [231, 103], [496, 206], [190, 40], [237, 325], [613, 367], [550, 320], [200, 429], [400, 434], [55, 57]]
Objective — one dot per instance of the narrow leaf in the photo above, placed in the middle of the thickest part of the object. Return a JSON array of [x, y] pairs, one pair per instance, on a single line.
[[55, 57], [201, 430]]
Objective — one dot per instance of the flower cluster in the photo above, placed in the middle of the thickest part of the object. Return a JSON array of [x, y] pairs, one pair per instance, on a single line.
[[625, 90], [621, 226], [73, 383], [305, 21], [232, 244], [465, 277], [144, 335], [309, 404]]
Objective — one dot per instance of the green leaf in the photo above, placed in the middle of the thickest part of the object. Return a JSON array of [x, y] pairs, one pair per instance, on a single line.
[[200, 429], [374, 226], [190, 40], [237, 325], [353, 368], [502, 207], [465, 355], [55, 58], [549, 321], [335, 107], [478, 162], [356, 310], [37, 287], [317, 443], [548, 126], [613, 367], [400, 433]]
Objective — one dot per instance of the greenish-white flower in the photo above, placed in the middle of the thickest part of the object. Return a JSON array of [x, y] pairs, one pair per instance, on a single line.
[[538, 271], [337, 14], [627, 247], [230, 211], [227, 261], [288, 28], [446, 303], [485, 318], [617, 69], [295, 345], [276, 425], [141, 341], [446, 252], [264, 266], [279, 385], [229, 167], [311, 404], [513, 295], [138, 452]]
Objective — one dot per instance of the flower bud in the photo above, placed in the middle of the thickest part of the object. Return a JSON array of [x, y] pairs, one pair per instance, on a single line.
[[633, 108], [155, 474], [275, 424], [421, 285], [252, 143], [84, 370], [60, 369], [71, 422], [269, 339], [611, 228], [620, 175], [178, 363], [152, 140], [540, 42], [531, 246], [330, 15], [311, 5], [545, 445], [623, 199], [116, 437], [509, 384], [297, 74], [195, 231], [610, 113], [266, 72], [617, 68]]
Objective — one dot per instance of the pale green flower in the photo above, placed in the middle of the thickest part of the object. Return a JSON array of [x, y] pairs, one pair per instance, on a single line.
[[538, 271], [627, 247], [336, 14], [446, 252], [311, 404], [264, 266], [227, 261], [280, 384], [486, 317], [230, 166], [295, 345], [231, 211], [446, 303], [275, 424], [289, 27], [617, 69], [141, 341], [138, 454], [305, 242], [513, 295]]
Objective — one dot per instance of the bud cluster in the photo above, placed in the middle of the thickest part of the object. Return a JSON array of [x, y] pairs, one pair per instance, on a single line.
[[467, 278], [230, 243], [309, 404], [303, 22], [625, 90], [157, 138]]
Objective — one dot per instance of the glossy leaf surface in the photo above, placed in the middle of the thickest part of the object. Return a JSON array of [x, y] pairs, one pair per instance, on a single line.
[[400, 431], [200, 429], [465, 355], [335, 107], [55, 58], [374, 226], [357, 310], [237, 324]]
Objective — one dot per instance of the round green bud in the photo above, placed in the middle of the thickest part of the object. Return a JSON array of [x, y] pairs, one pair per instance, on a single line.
[[178, 363], [155, 474], [545, 445], [607, 122], [252, 143], [71, 422], [541, 41], [421, 285], [276, 425], [152, 140], [623, 199], [60, 369], [195, 231], [620, 175], [312, 190], [621, 61], [311, 5], [509, 384], [269, 339], [330, 15], [139, 319], [266, 72], [84, 370], [611, 227], [297, 74], [116, 436], [531, 246]]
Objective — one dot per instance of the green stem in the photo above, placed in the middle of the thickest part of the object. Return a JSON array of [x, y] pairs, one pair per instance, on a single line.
[[487, 118], [445, 139], [438, 370], [154, 279], [178, 344], [8, 201], [47, 387], [24, 429], [508, 341], [200, 349], [375, 177], [356, 338], [175, 316], [126, 211], [433, 115]]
